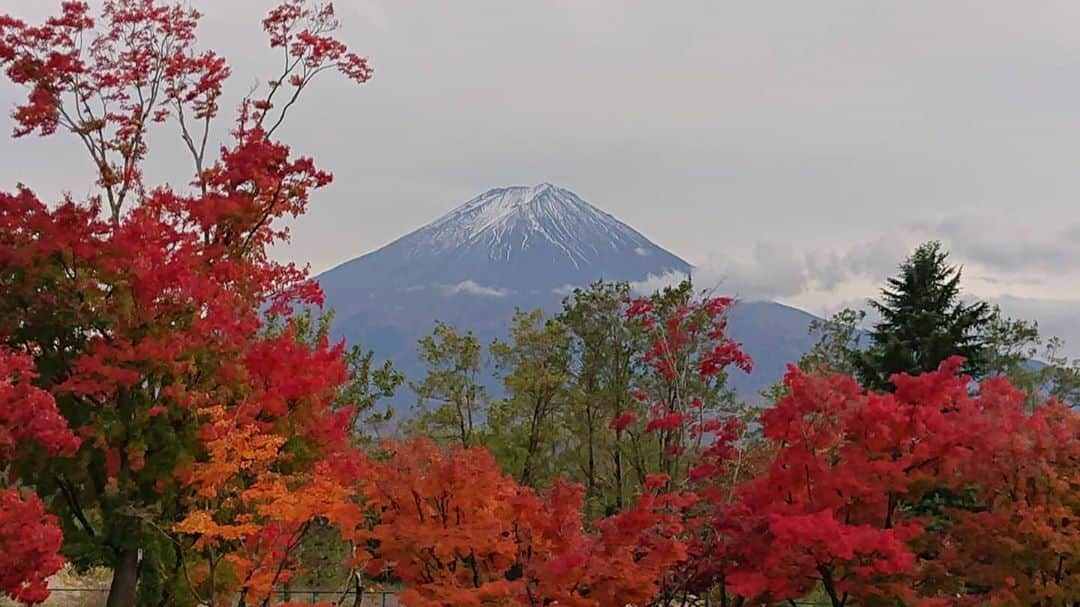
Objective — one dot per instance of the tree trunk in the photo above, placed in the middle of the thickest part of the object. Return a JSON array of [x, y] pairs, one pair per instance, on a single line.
[[590, 478], [618, 471], [358, 586], [534, 441], [463, 433], [125, 579]]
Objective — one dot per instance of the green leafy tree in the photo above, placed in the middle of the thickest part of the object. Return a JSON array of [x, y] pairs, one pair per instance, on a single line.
[[451, 401], [1036, 365], [534, 365], [923, 322], [1062, 374], [605, 359], [837, 344]]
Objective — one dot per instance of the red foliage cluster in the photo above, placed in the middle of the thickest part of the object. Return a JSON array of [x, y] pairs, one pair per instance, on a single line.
[[690, 354], [675, 331], [29, 538], [458, 531], [147, 304], [839, 505]]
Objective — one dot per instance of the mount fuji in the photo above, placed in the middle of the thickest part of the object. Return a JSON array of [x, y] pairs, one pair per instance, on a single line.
[[524, 247]]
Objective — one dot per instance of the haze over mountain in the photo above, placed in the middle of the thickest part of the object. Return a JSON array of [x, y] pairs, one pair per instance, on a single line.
[[524, 247]]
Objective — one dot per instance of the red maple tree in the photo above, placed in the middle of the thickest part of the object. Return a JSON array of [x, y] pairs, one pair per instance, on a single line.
[[29, 538], [1013, 539], [690, 355], [144, 306], [848, 503]]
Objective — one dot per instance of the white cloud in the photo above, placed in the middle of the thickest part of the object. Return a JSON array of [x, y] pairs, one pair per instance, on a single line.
[[771, 270], [778, 270], [642, 251], [566, 289], [471, 287], [654, 282]]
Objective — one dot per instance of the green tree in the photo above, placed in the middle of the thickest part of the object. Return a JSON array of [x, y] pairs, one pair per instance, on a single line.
[[1036, 365], [837, 345], [605, 350], [923, 322], [534, 365], [451, 401]]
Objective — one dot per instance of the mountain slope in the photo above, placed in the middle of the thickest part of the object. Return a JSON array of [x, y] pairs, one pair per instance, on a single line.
[[506, 241], [519, 247]]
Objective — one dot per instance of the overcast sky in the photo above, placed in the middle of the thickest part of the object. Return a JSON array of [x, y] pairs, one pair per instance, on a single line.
[[796, 149]]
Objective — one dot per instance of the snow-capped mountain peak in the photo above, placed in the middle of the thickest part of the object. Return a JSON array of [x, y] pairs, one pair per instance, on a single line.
[[509, 221], [509, 241], [517, 248]]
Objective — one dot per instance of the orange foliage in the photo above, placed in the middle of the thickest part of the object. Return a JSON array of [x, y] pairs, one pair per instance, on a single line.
[[274, 464], [457, 531]]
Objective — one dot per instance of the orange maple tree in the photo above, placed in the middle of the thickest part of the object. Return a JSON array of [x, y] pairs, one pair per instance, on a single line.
[[455, 530], [276, 463]]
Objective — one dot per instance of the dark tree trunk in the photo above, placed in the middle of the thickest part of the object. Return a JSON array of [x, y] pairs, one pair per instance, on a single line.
[[358, 586], [590, 486], [125, 579], [618, 471], [534, 440]]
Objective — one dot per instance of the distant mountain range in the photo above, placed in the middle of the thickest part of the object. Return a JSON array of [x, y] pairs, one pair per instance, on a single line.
[[524, 247]]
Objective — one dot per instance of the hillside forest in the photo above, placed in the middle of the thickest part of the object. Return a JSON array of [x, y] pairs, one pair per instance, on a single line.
[[174, 411]]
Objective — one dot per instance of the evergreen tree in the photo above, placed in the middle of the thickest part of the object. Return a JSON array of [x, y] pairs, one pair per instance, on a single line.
[[923, 322]]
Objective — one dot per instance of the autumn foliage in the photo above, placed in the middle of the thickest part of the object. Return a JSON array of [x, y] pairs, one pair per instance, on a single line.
[[459, 531], [690, 355], [165, 414], [30, 539], [848, 503], [145, 306]]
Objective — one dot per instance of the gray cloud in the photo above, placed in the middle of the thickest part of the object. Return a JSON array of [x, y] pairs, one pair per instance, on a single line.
[[872, 259], [1015, 248], [715, 122], [775, 270]]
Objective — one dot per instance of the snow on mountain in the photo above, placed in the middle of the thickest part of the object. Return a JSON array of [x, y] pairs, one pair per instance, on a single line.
[[509, 220], [517, 247], [511, 240]]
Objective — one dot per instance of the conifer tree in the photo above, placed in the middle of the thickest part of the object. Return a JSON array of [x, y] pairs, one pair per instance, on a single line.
[[923, 322]]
